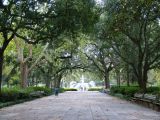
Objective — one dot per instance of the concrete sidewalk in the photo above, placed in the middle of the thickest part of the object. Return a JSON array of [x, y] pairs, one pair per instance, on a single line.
[[78, 106]]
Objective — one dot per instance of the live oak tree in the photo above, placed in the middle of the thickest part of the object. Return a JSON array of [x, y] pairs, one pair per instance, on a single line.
[[34, 21], [27, 63], [136, 23], [103, 58], [60, 60], [15, 18], [69, 17], [10, 66]]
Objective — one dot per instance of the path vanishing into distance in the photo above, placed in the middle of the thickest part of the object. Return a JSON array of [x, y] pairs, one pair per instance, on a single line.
[[78, 106]]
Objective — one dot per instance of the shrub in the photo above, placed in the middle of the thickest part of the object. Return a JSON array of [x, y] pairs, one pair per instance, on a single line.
[[124, 90], [95, 89], [121, 90], [24, 94], [116, 89], [9, 94], [153, 90], [46, 90], [70, 89], [130, 91], [61, 90], [16, 93]]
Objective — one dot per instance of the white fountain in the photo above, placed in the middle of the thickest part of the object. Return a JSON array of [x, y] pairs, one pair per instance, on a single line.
[[82, 85]]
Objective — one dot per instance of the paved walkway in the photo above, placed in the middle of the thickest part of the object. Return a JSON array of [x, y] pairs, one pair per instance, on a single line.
[[78, 106]]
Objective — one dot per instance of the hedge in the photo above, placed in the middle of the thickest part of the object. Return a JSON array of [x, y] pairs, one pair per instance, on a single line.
[[16, 93], [70, 89], [130, 91], [127, 91], [95, 89]]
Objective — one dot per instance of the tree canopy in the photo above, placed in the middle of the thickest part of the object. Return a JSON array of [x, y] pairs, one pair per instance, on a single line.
[[46, 41]]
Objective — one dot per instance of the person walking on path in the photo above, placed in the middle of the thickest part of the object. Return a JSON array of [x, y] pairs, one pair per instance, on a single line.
[[56, 91]]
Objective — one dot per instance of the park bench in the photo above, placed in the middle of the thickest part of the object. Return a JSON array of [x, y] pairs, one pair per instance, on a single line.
[[147, 100]]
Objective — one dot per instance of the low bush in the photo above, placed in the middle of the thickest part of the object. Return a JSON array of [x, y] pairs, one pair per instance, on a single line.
[[95, 89], [61, 90], [130, 91], [24, 94], [70, 89], [16, 93], [124, 90], [9, 94], [47, 91], [116, 89], [153, 90]]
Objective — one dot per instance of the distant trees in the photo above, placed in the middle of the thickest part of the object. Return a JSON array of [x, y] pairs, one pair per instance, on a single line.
[[102, 57]]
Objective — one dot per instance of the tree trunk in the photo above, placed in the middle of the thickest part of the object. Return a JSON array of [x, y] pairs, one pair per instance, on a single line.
[[1, 69], [59, 81], [36, 82], [118, 78], [142, 80], [142, 72], [145, 78], [106, 80], [24, 74], [142, 84], [54, 83], [133, 78], [142, 77], [48, 83], [128, 78]]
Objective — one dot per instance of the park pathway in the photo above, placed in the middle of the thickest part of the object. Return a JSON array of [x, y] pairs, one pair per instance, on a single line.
[[78, 106]]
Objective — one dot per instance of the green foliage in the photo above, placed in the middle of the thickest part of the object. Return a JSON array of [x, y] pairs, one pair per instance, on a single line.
[[127, 31], [61, 90], [70, 89], [127, 91], [46, 90], [130, 91], [60, 18], [16, 93], [153, 90], [73, 15], [115, 89], [119, 95], [157, 76], [9, 94], [131, 28], [95, 89]]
